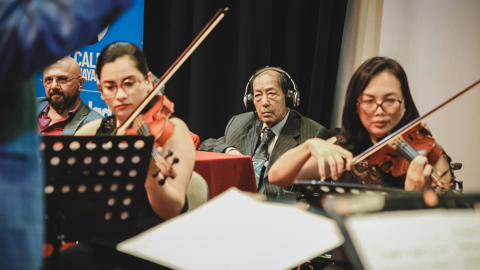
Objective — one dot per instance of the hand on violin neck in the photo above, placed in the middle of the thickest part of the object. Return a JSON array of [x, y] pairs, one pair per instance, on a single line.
[[443, 179], [164, 165], [422, 176], [418, 174]]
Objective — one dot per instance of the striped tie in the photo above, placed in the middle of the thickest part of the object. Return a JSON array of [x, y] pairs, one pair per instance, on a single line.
[[261, 154]]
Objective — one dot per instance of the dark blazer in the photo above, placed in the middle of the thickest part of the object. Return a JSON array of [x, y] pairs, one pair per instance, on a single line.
[[243, 133], [83, 115]]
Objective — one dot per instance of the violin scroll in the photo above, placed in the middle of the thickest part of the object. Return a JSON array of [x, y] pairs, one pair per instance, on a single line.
[[155, 122], [164, 167]]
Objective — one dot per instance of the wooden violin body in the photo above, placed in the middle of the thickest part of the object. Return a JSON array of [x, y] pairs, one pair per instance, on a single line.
[[396, 157], [155, 122]]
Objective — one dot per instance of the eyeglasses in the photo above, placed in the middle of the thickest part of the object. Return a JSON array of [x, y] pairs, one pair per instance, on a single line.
[[389, 106], [47, 81], [129, 85]]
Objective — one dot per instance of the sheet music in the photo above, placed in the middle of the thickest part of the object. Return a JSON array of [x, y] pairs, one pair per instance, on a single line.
[[420, 239], [237, 231]]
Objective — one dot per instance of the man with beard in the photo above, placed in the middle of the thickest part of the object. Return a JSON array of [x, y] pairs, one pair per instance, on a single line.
[[63, 111]]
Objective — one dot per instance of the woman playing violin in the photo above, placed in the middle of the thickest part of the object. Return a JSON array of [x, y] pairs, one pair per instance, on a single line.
[[378, 102], [124, 80]]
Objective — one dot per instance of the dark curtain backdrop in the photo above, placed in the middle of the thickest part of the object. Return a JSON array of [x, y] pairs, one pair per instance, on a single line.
[[302, 37]]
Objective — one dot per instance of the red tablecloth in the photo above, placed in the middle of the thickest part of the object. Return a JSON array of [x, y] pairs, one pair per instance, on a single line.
[[222, 171]]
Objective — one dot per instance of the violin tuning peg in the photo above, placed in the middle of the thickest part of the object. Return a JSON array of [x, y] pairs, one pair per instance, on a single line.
[[170, 153], [156, 174], [175, 160], [161, 182]]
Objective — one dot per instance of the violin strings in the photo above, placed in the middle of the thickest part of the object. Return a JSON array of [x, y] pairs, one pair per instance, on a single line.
[[142, 128], [407, 151]]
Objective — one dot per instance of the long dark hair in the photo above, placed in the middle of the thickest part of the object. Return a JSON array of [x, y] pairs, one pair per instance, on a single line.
[[118, 49], [355, 136]]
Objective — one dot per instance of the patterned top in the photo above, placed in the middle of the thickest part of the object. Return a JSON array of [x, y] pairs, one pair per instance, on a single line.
[[367, 174], [107, 126]]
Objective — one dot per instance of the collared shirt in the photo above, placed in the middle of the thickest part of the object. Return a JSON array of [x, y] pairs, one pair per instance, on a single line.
[[276, 129], [54, 129]]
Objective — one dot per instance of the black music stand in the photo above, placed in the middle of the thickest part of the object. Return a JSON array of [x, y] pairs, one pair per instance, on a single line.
[[340, 200], [315, 192], [94, 187]]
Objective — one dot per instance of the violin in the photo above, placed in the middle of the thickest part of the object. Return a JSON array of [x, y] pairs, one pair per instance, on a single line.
[[395, 152], [151, 117], [156, 122], [396, 157]]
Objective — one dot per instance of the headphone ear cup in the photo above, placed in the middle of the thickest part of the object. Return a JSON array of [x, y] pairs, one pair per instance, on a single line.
[[289, 98], [296, 99], [248, 96], [248, 102], [292, 98]]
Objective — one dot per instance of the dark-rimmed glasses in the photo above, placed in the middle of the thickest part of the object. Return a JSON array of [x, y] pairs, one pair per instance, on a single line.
[[62, 80], [129, 85], [370, 106]]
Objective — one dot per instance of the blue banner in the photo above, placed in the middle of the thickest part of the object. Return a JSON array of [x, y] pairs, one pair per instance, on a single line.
[[128, 27]]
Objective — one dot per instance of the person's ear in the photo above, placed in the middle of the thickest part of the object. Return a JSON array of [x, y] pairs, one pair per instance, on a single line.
[[150, 82], [100, 87], [81, 82]]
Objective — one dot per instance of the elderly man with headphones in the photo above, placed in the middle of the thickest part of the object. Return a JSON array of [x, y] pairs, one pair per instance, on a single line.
[[272, 128]]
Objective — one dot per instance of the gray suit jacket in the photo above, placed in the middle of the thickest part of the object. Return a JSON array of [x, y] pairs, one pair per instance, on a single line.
[[83, 115], [243, 133]]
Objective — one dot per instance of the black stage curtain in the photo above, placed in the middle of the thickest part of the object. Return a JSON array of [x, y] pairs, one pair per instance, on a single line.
[[302, 37]]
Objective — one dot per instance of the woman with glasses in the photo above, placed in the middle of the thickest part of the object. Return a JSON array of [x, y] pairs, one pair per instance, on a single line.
[[124, 80], [377, 103]]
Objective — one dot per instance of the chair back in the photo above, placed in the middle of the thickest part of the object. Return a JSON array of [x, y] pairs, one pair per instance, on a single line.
[[197, 191]]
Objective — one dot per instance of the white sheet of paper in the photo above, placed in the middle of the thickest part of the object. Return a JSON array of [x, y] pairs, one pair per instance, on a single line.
[[421, 239], [236, 231]]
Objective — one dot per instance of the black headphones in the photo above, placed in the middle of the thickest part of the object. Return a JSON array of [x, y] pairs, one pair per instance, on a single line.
[[292, 97]]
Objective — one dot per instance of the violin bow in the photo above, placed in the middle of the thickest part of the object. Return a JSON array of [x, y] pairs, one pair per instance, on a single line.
[[407, 127], [173, 68]]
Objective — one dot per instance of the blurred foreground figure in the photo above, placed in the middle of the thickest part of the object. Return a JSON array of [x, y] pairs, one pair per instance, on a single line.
[[33, 34]]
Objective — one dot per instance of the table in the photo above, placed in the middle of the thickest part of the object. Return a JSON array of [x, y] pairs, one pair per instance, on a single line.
[[222, 171]]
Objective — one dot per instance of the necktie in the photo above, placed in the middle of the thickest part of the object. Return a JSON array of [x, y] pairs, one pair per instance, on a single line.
[[261, 154]]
